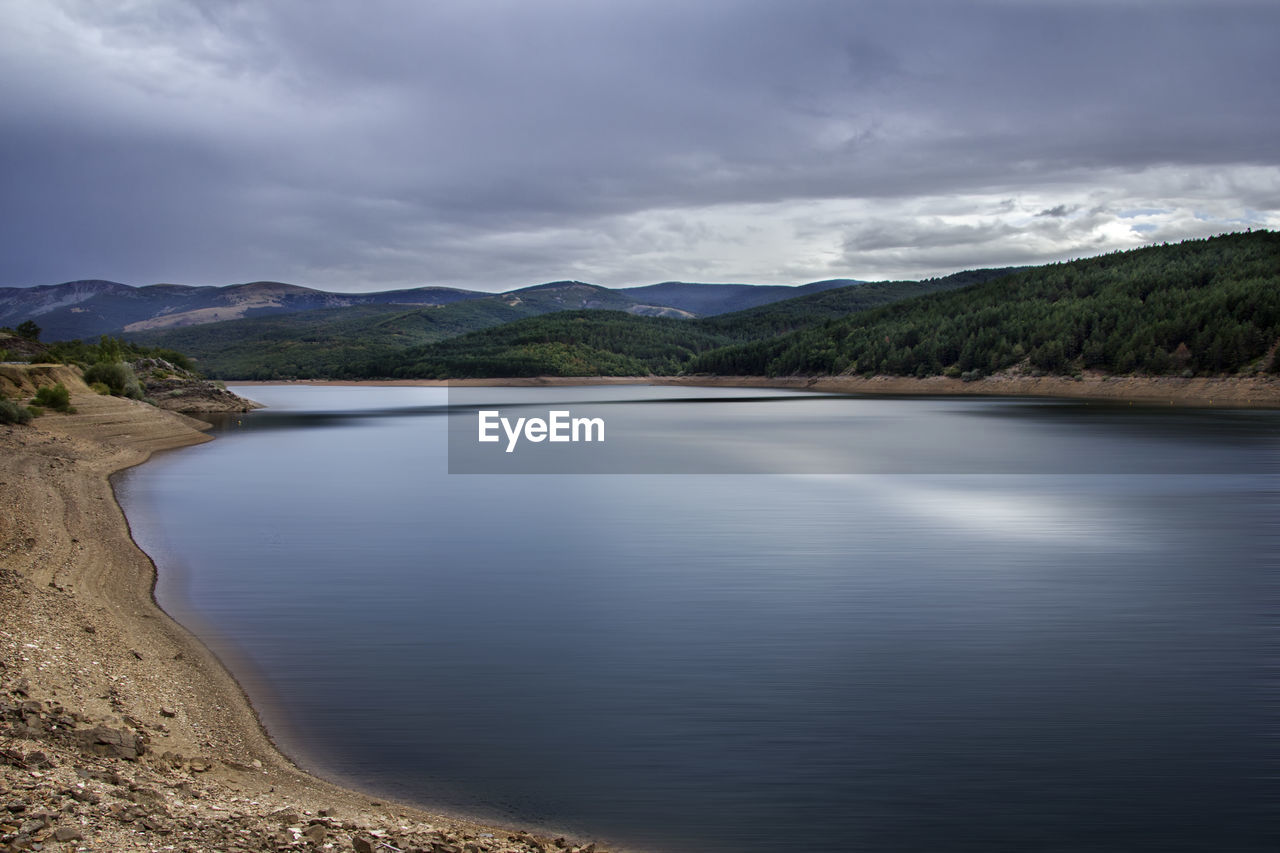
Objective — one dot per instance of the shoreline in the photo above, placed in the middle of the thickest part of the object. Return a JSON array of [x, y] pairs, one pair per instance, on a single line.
[[1251, 392], [118, 724], [105, 695]]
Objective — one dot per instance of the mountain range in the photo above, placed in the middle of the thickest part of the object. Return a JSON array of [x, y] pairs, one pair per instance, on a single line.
[[88, 308], [1205, 307]]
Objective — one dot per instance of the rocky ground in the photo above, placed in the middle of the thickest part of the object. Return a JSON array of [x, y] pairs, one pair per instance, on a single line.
[[77, 781], [118, 730], [169, 387]]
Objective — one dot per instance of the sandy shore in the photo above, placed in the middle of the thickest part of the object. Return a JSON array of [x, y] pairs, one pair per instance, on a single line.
[[1218, 392], [118, 729]]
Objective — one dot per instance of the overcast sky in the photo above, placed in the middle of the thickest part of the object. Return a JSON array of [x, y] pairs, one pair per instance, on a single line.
[[489, 145]]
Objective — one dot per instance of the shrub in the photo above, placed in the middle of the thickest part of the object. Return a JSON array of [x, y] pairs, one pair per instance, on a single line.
[[100, 388], [12, 413], [55, 397], [117, 376]]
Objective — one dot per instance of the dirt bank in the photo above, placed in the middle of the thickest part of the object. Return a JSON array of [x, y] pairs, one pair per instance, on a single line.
[[118, 730], [1220, 392], [1243, 392]]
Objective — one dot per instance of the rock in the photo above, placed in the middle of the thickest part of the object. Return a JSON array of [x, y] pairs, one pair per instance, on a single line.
[[67, 833], [286, 817], [165, 712], [137, 654], [84, 796], [315, 833], [117, 743], [361, 844]]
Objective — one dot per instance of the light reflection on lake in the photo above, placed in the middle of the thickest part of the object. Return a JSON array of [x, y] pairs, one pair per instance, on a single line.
[[921, 657]]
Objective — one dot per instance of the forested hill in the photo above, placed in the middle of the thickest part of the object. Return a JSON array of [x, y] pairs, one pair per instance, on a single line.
[[1195, 308], [802, 312], [1199, 307], [567, 343], [609, 343]]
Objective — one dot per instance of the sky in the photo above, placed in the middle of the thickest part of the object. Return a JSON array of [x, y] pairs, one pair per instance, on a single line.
[[492, 145]]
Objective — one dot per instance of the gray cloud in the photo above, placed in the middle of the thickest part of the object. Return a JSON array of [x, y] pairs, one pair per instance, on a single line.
[[493, 144]]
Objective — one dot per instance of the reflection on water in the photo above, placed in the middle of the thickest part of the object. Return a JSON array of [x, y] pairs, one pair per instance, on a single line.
[[950, 660]]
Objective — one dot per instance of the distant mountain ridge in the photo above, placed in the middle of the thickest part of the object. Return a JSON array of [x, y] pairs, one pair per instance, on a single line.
[[91, 307], [81, 309], [707, 300], [380, 340]]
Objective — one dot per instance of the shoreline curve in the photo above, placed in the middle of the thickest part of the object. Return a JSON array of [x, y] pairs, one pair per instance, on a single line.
[[106, 696], [1242, 392]]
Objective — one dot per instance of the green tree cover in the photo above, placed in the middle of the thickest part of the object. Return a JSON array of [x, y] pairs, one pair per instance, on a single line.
[[344, 342], [804, 312], [1198, 307], [612, 343], [567, 343], [327, 342], [109, 349], [1203, 306]]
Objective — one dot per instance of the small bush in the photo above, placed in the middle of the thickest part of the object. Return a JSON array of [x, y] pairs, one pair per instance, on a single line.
[[119, 378], [100, 388], [36, 411], [12, 413], [55, 397]]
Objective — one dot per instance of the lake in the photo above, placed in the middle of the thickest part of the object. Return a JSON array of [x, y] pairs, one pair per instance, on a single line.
[[751, 620]]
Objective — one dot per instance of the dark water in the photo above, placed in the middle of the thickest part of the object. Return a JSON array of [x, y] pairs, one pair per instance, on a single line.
[[1064, 660]]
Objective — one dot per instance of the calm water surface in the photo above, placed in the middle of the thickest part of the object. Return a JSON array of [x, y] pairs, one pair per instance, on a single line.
[[922, 658]]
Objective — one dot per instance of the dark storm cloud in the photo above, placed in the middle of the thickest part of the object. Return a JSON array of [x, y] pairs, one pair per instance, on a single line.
[[495, 144]]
